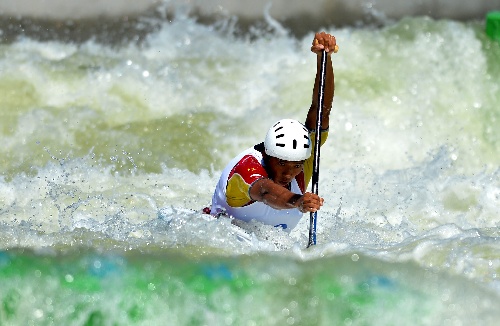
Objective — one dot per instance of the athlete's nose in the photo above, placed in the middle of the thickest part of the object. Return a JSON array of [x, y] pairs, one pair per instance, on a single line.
[[287, 173]]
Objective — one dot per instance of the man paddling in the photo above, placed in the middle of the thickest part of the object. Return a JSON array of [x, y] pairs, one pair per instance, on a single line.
[[268, 181]]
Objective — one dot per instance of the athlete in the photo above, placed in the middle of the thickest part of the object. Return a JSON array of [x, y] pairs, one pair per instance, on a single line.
[[268, 181]]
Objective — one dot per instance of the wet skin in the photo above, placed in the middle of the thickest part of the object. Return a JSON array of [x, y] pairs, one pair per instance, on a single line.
[[282, 172]]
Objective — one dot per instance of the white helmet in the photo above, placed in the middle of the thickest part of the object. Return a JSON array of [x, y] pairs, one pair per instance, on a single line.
[[288, 140]]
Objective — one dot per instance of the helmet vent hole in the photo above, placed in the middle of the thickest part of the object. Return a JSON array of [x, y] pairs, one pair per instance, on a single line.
[[288, 140]]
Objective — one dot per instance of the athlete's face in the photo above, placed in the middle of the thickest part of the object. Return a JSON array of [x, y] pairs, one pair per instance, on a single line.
[[282, 172]]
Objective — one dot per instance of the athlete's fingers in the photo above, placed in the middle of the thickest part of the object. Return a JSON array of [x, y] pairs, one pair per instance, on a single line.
[[317, 46], [311, 203], [330, 42], [324, 41]]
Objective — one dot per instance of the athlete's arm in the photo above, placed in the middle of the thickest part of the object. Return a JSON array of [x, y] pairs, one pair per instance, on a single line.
[[278, 197], [322, 41]]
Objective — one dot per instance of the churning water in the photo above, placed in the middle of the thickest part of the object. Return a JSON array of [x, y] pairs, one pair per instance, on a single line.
[[109, 152]]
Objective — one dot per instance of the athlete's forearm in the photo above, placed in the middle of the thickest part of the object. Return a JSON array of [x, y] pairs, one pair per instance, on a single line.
[[328, 96], [274, 195]]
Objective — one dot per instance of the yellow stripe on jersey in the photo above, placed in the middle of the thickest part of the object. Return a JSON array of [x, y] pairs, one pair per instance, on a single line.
[[237, 191]]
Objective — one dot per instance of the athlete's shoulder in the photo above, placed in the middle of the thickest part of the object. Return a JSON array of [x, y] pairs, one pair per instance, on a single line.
[[250, 168]]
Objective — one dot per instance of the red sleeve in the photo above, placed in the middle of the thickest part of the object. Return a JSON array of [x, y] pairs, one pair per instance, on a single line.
[[250, 169], [242, 176]]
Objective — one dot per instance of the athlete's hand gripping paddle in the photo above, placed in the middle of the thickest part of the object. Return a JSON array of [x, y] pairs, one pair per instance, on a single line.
[[317, 142]]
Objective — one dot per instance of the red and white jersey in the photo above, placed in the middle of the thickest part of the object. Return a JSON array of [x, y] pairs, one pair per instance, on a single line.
[[232, 193]]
